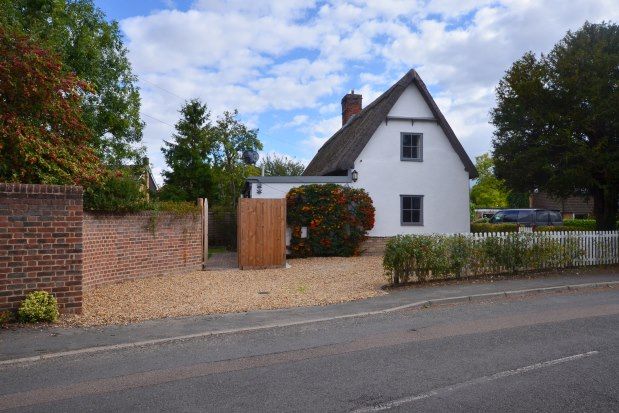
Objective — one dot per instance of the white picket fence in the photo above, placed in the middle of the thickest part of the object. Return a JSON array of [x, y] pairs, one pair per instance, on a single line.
[[596, 247]]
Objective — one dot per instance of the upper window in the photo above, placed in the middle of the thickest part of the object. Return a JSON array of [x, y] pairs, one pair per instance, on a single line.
[[411, 147], [411, 207]]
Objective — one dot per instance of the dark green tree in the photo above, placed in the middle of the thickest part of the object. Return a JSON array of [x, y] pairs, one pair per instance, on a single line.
[[190, 156], [92, 49], [232, 138], [557, 120], [280, 165]]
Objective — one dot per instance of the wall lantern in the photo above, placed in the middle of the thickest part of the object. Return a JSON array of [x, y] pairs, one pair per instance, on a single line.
[[354, 175]]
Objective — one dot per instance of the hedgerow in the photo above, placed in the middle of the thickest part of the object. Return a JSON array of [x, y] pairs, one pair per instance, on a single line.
[[488, 227], [337, 219], [438, 257]]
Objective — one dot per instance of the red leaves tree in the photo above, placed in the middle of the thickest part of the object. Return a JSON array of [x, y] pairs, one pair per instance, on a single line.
[[43, 138]]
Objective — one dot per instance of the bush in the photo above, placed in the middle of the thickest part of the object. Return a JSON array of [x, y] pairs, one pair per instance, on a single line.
[[177, 207], [580, 224], [337, 219], [439, 257], [38, 306], [5, 317], [116, 192], [487, 227]]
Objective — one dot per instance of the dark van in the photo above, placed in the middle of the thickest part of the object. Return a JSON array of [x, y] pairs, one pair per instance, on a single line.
[[527, 217]]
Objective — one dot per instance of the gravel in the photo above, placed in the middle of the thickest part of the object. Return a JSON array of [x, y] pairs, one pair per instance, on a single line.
[[311, 281]]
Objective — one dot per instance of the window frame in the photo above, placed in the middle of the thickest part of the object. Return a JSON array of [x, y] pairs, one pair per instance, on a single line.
[[419, 157], [411, 224]]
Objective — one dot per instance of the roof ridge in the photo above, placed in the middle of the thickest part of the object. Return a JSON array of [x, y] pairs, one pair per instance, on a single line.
[[355, 134]]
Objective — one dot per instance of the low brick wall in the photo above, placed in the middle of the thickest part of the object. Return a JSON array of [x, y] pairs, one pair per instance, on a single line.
[[120, 247], [41, 244], [374, 246]]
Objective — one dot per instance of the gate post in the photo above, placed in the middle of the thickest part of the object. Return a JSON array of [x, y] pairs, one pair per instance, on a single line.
[[203, 202]]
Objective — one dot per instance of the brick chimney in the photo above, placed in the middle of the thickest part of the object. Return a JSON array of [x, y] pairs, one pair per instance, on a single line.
[[351, 105]]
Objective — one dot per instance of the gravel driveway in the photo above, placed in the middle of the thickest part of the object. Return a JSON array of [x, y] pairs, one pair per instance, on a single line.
[[311, 281]]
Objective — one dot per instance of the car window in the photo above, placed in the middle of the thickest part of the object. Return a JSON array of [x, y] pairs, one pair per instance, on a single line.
[[498, 217], [555, 216], [510, 216], [525, 216], [542, 217]]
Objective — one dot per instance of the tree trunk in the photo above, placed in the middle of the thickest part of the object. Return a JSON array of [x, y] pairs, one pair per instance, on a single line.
[[605, 208]]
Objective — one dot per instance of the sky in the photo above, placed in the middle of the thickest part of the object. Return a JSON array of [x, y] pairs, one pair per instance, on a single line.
[[285, 64]]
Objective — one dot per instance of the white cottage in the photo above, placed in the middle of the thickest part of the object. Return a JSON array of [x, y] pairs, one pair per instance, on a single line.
[[402, 151]]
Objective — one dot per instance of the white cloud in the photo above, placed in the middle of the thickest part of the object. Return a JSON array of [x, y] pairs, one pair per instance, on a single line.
[[301, 55]]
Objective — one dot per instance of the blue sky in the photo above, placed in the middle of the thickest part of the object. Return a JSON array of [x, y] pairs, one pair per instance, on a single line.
[[286, 64]]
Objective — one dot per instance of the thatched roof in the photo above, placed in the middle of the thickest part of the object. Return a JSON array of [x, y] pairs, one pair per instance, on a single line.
[[339, 153]]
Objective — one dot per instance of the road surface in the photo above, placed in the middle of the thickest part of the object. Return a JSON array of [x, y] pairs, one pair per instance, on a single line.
[[548, 352]]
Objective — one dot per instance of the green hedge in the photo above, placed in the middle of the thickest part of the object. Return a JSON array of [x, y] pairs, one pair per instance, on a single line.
[[581, 224], [439, 257], [337, 219], [487, 227]]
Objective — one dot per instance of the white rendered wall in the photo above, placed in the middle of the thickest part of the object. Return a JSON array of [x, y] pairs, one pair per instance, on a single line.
[[440, 177]]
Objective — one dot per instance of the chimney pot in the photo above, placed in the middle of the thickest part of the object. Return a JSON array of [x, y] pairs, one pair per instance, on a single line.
[[351, 105]]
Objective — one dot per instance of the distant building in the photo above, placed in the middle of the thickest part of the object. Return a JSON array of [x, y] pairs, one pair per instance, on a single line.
[[573, 207]]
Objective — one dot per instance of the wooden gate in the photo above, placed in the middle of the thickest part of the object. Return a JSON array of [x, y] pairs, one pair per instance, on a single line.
[[261, 229]]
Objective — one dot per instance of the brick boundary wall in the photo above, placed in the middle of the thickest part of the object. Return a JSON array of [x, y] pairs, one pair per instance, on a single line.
[[41, 244], [373, 246], [121, 247]]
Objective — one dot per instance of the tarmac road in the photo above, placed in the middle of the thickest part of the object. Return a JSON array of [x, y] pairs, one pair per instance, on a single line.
[[548, 352]]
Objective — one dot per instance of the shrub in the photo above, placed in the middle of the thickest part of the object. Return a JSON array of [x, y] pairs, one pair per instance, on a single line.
[[337, 219], [38, 306], [116, 192], [580, 224], [5, 317], [444, 256], [177, 207], [487, 227]]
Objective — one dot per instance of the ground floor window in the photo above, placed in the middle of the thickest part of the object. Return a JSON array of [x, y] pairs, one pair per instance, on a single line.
[[411, 207]]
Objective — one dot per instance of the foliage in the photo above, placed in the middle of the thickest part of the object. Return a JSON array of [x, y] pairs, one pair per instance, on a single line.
[[232, 137], [572, 225], [557, 120], [42, 136], [276, 165], [38, 306], [337, 219], [189, 157], [5, 317], [437, 257], [205, 159], [118, 191], [581, 224], [518, 199], [488, 191], [91, 48], [487, 227], [177, 207]]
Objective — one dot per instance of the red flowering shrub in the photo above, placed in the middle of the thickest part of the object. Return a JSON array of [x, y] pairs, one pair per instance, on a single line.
[[43, 136], [337, 219]]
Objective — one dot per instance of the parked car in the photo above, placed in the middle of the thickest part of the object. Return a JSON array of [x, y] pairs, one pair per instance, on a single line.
[[527, 217]]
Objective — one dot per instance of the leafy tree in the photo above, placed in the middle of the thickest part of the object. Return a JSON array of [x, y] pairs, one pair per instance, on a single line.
[[91, 48], [43, 138], [489, 191], [276, 165], [232, 138], [190, 156], [557, 120]]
